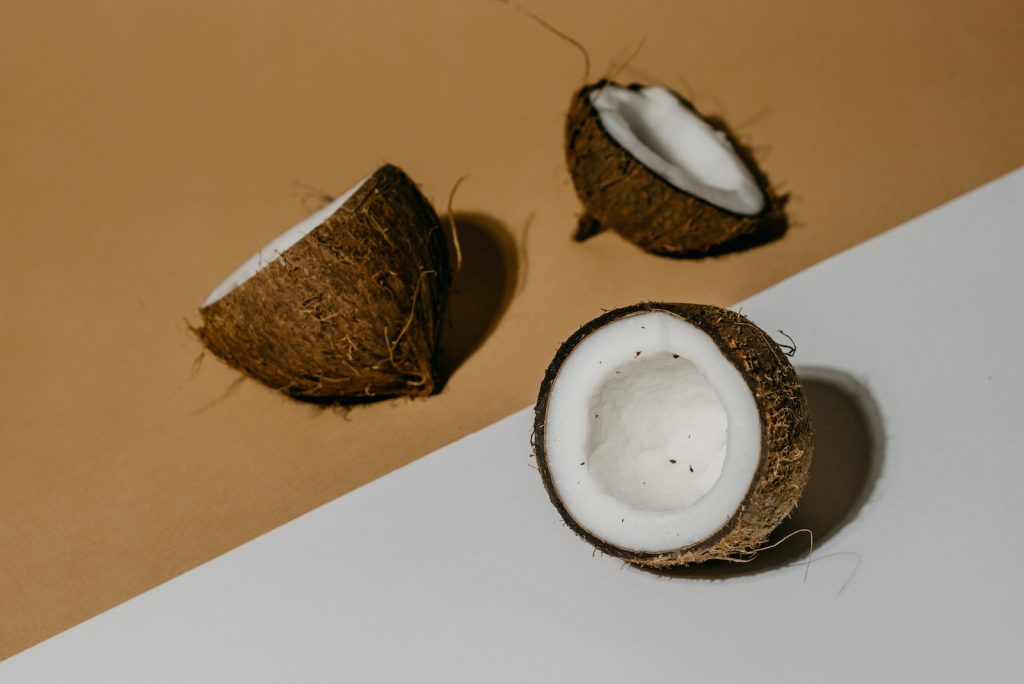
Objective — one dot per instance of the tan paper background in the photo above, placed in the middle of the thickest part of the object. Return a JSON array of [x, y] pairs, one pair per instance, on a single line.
[[146, 149]]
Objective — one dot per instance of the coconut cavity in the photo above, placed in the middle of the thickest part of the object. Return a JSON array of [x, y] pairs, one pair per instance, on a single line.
[[662, 442], [347, 304], [654, 126], [668, 434], [646, 164]]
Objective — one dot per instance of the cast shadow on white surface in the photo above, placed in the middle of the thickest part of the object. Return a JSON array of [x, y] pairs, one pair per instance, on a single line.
[[849, 444], [481, 291]]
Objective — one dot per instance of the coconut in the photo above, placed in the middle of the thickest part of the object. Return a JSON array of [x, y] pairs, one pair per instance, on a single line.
[[345, 305], [648, 165], [671, 434]]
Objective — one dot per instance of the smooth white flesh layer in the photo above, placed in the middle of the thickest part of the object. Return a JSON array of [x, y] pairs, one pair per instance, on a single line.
[[279, 245], [616, 420], [673, 142]]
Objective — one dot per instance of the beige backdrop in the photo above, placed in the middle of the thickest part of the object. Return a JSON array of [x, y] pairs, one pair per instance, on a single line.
[[147, 148]]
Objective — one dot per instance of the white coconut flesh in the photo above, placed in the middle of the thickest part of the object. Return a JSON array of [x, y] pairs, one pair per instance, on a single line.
[[652, 437], [279, 245], [674, 142]]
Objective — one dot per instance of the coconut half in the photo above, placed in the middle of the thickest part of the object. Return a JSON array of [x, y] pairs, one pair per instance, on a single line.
[[648, 165], [670, 434], [346, 304]]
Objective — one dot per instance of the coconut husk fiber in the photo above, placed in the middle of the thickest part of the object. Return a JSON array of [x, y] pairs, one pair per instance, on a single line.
[[786, 435], [350, 312], [620, 193]]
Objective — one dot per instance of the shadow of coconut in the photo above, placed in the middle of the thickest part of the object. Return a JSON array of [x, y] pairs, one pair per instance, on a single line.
[[848, 452], [481, 291]]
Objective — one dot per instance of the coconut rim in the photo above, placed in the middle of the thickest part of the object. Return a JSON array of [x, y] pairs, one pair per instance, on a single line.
[[590, 110], [540, 433]]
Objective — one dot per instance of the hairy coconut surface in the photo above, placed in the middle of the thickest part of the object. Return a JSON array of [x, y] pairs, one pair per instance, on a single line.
[[352, 310], [659, 180], [764, 492]]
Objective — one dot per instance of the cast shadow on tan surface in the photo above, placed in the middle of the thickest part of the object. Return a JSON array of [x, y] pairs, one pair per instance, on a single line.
[[849, 446], [481, 291]]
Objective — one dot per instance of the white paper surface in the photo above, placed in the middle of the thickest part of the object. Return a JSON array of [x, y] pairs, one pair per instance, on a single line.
[[457, 569]]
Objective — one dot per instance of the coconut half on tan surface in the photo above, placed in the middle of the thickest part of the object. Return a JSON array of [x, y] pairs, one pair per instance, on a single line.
[[648, 165], [347, 304], [670, 434]]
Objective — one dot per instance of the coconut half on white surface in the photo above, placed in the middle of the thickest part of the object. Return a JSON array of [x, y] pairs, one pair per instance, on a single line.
[[648, 165], [670, 434], [345, 305]]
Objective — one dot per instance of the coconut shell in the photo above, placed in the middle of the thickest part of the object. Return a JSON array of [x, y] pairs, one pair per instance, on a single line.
[[620, 193], [786, 435], [351, 311]]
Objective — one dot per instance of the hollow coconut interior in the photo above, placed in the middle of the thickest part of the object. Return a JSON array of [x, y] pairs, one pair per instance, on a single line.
[[652, 437], [279, 245], [674, 142]]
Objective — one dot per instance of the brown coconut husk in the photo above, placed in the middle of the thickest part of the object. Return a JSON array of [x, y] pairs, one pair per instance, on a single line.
[[620, 193], [786, 435], [353, 310]]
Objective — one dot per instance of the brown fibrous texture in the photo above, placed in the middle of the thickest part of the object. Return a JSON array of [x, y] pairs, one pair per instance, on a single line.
[[786, 435], [353, 310], [620, 193]]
